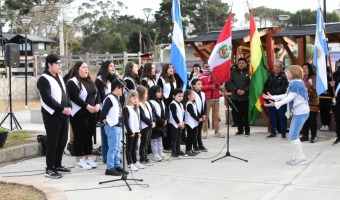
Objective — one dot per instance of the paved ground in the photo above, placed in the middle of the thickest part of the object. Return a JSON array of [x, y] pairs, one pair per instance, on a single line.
[[264, 176]]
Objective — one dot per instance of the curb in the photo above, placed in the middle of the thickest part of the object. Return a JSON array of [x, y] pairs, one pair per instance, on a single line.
[[51, 193], [20, 152]]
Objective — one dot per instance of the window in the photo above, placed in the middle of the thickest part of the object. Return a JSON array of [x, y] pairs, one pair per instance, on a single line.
[[41, 46]]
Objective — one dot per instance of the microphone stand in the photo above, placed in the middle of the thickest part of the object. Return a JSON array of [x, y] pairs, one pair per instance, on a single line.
[[228, 102], [124, 174]]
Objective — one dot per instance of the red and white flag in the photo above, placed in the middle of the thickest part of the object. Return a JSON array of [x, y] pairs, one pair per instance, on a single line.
[[220, 58]]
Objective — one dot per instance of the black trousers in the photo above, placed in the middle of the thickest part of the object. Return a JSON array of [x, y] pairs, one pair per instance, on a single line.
[[57, 134], [144, 143], [131, 148], [337, 119], [84, 127], [176, 136], [325, 111], [167, 140], [191, 135], [242, 115], [311, 125], [198, 141]]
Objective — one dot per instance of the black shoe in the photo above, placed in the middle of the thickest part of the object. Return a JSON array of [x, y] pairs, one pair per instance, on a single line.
[[197, 149], [312, 140], [271, 136], [190, 153], [175, 155], [336, 142], [284, 137], [304, 139], [62, 169], [180, 153], [52, 173], [239, 133], [247, 134], [195, 152], [202, 148], [121, 170], [113, 172]]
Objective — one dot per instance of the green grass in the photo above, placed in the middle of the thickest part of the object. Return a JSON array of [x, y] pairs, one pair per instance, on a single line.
[[18, 138]]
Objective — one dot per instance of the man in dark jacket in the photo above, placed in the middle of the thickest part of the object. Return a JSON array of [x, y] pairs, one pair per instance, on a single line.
[[277, 84], [238, 85]]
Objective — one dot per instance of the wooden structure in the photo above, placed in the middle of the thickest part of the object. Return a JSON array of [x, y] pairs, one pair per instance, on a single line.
[[300, 33], [273, 39]]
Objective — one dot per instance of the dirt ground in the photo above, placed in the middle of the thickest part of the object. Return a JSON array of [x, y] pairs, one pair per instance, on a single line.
[[19, 192], [19, 105]]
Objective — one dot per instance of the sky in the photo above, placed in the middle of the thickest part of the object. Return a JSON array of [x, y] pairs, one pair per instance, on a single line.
[[240, 6]]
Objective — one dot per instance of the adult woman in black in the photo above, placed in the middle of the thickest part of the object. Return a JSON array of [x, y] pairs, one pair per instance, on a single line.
[[168, 83], [103, 81], [148, 78], [309, 78], [85, 100]]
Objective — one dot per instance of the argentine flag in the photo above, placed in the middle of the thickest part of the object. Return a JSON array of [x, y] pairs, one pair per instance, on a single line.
[[177, 57], [320, 53]]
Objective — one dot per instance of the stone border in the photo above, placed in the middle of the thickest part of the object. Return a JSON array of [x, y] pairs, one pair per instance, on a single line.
[[51, 193], [19, 152]]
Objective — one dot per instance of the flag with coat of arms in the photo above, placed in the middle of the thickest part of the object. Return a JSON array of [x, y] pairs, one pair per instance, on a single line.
[[220, 58]]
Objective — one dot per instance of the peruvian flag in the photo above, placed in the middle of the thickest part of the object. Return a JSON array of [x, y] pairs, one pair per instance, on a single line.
[[220, 58]]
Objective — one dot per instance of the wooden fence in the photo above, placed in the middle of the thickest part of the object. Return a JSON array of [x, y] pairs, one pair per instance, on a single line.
[[93, 60]]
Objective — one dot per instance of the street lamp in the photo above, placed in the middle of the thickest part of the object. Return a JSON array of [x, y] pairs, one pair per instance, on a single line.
[[147, 12], [2, 22], [283, 20], [25, 20]]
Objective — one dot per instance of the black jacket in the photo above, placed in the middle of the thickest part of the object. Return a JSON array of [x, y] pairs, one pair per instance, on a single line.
[[276, 85], [239, 80]]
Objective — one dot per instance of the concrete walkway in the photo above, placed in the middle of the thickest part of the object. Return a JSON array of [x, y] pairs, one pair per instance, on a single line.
[[264, 176]]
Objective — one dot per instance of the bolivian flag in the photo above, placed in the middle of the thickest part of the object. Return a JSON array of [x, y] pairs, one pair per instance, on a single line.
[[257, 71]]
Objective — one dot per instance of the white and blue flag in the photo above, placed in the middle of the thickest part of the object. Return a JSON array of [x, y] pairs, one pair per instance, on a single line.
[[177, 57], [320, 53]]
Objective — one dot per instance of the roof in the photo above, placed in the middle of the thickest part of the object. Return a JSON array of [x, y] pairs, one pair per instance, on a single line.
[[8, 36], [35, 38], [213, 36], [331, 28]]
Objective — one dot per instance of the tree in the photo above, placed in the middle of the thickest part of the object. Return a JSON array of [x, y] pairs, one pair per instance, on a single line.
[[43, 13]]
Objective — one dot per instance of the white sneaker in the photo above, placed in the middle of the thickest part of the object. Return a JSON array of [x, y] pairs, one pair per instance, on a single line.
[[298, 162], [133, 167], [326, 128], [138, 165], [164, 156], [157, 158], [322, 128], [83, 165], [91, 162]]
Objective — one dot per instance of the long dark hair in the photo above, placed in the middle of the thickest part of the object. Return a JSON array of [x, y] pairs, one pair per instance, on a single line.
[[128, 72], [75, 73], [310, 69], [165, 75], [153, 90], [103, 71], [147, 70], [186, 96], [192, 72]]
